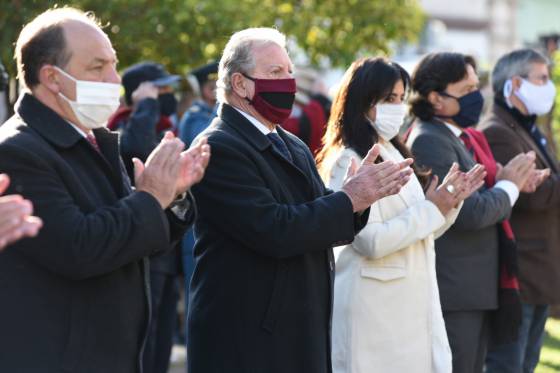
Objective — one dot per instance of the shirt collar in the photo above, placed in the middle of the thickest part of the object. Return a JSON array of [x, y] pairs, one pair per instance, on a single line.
[[261, 127], [82, 133], [456, 131]]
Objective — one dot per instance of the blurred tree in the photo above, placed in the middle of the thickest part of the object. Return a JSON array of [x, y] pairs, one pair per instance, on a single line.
[[182, 34]]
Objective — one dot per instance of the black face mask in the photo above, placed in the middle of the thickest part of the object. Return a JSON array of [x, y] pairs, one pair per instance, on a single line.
[[167, 104], [470, 108]]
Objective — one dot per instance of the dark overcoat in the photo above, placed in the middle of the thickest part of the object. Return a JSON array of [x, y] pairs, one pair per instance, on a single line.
[[261, 293], [75, 298]]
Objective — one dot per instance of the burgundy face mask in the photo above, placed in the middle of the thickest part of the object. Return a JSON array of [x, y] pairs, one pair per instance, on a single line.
[[273, 98]]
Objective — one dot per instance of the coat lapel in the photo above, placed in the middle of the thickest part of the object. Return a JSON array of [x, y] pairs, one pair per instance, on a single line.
[[58, 132], [246, 129], [109, 144], [466, 159]]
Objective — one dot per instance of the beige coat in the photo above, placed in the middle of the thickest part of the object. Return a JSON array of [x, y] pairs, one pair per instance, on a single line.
[[387, 314]]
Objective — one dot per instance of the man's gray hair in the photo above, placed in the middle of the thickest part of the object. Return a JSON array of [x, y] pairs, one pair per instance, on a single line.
[[238, 55], [516, 63]]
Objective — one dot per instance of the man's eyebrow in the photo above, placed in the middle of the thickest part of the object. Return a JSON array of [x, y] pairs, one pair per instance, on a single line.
[[103, 60]]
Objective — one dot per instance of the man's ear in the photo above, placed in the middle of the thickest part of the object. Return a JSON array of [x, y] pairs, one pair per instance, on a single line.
[[239, 85], [516, 82], [49, 78], [434, 98]]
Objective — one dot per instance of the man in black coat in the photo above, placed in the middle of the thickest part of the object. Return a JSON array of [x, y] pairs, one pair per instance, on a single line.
[[261, 292], [142, 123], [75, 298]]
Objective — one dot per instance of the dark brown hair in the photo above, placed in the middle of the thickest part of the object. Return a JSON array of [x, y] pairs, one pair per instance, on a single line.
[[367, 81], [434, 72]]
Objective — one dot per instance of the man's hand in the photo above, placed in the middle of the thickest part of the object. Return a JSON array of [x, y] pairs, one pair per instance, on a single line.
[[144, 90], [370, 182], [456, 186], [535, 180], [162, 170], [193, 163], [518, 169], [16, 220], [475, 178]]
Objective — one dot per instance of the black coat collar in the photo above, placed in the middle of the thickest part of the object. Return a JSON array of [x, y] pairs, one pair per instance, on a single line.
[[46, 122], [243, 126], [57, 131], [232, 117]]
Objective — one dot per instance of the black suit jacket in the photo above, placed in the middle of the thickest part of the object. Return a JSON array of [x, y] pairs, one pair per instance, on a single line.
[[467, 254], [74, 299], [261, 292]]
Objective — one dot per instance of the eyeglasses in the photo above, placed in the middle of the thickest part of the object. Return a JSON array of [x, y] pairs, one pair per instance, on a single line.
[[540, 79]]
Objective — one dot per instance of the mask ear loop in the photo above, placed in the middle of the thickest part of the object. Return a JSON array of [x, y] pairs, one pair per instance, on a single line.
[[508, 89], [249, 100]]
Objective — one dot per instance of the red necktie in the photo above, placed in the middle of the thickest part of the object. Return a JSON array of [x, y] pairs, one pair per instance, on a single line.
[[91, 139]]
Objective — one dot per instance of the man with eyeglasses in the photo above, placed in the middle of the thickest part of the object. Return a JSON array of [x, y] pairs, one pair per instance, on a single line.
[[522, 92]]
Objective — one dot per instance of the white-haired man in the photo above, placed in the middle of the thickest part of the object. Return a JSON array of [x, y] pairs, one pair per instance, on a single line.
[[76, 297], [261, 292]]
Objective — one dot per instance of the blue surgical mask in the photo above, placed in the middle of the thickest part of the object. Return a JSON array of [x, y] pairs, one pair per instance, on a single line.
[[470, 108]]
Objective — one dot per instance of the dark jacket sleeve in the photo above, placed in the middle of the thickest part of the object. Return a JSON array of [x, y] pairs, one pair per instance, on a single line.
[[484, 207], [234, 198], [505, 146], [79, 244], [138, 135]]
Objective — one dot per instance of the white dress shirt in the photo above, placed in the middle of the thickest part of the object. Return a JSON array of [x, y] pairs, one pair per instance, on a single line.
[[79, 130], [261, 127]]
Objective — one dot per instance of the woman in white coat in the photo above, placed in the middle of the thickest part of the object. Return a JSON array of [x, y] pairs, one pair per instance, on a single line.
[[387, 314]]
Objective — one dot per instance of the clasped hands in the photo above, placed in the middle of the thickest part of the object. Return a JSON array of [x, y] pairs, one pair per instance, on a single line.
[[169, 170]]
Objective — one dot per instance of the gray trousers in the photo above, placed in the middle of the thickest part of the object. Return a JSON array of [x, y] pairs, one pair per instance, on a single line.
[[468, 333]]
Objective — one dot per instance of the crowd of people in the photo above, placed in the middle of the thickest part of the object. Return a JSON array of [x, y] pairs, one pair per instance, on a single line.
[[313, 237]]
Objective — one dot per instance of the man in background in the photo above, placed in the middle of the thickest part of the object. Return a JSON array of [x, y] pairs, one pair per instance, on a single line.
[[150, 101]]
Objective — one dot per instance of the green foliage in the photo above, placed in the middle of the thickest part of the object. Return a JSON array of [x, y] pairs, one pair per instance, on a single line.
[[182, 34], [550, 354]]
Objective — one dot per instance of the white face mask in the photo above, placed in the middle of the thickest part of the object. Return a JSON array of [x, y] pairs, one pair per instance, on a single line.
[[95, 101], [538, 99], [388, 120]]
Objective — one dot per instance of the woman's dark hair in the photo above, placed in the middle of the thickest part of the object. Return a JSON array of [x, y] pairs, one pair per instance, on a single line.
[[434, 72], [367, 81]]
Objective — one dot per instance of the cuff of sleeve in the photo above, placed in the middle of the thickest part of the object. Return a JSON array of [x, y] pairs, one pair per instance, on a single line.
[[436, 212], [510, 188], [180, 207]]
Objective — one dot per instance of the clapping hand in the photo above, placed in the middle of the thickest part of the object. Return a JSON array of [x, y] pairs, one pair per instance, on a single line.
[[16, 220], [193, 163], [169, 171], [370, 181], [456, 186], [536, 178]]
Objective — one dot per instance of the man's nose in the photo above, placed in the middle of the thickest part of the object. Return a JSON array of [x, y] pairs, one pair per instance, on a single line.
[[113, 76]]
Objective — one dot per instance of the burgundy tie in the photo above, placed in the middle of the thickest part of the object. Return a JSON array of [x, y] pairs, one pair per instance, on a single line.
[[91, 139]]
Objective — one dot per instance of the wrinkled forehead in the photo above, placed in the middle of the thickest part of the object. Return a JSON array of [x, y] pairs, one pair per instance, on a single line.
[[271, 55], [87, 43]]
